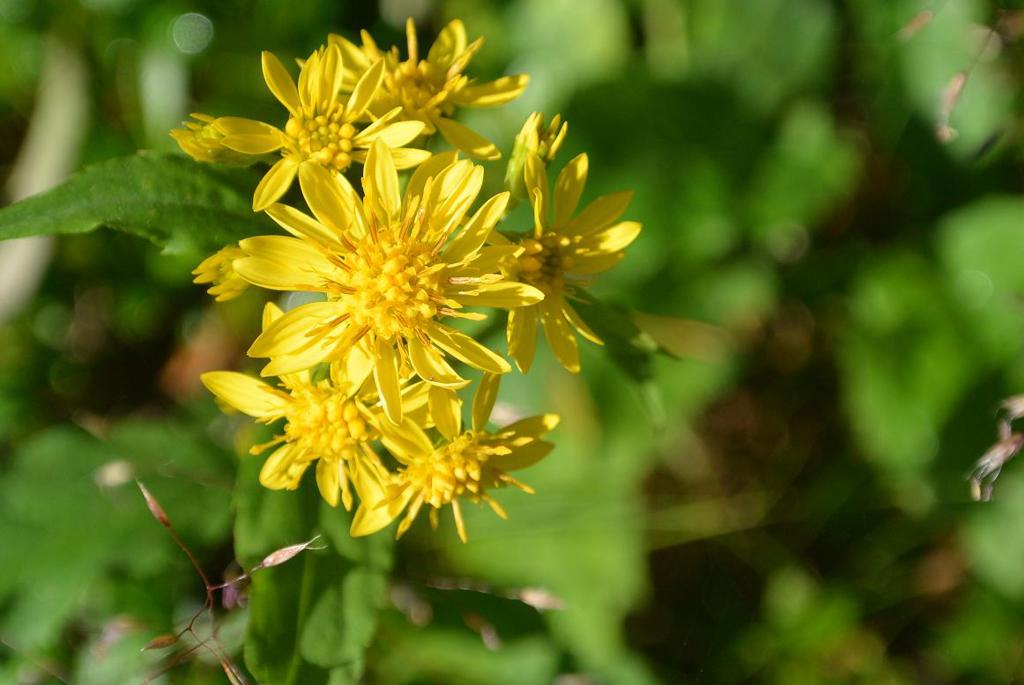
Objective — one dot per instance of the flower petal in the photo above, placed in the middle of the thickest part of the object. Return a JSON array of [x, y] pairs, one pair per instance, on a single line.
[[406, 442], [449, 43], [463, 347], [522, 336], [295, 329], [282, 470], [349, 373], [279, 262], [301, 225], [522, 456], [246, 394], [431, 366], [380, 181], [385, 374], [611, 239], [466, 139], [274, 184], [332, 199], [446, 410], [429, 168], [329, 475], [280, 82], [492, 93], [568, 188], [560, 336], [483, 400], [407, 157], [394, 134], [580, 325], [504, 294], [472, 237], [362, 95], [602, 212]]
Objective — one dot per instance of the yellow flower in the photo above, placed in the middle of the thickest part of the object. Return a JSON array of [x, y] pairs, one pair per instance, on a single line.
[[322, 128], [560, 256], [429, 90], [201, 140], [391, 270], [331, 422], [533, 139], [467, 465], [218, 270]]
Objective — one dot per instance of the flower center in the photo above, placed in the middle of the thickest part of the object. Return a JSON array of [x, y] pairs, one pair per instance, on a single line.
[[326, 423], [393, 285], [544, 262], [324, 137], [454, 470], [419, 89]]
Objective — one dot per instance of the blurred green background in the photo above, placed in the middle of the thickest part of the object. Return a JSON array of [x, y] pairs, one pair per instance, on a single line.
[[785, 503]]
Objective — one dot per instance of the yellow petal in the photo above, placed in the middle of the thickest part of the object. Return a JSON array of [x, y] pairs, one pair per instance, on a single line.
[[568, 188], [504, 294], [602, 212], [281, 470], [560, 336], [408, 157], [331, 74], [246, 394], [498, 92], [309, 85], [464, 348], [522, 336], [596, 263], [293, 331], [332, 199], [274, 184], [535, 177], [429, 168], [406, 442], [460, 524], [449, 43], [280, 82], [380, 181], [271, 313], [281, 262], [522, 456], [531, 427], [484, 399], [349, 372], [260, 144], [431, 366], [580, 325], [328, 479], [446, 410], [370, 519], [469, 141], [472, 237], [612, 239], [393, 134], [385, 374], [410, 39], [319, 349], [365, 90], [301, 224]]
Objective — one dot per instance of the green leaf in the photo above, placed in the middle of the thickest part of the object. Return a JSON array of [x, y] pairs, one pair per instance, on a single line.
[[180, 205]]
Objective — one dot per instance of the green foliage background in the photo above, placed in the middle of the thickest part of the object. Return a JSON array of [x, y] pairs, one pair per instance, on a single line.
[[783, 503]]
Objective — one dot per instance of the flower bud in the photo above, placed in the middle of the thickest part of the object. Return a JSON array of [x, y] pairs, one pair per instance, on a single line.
[[533, 138], [218, 270], [201, 141]]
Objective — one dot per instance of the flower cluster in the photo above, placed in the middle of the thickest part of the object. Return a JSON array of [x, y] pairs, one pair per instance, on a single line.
[[366, 376]]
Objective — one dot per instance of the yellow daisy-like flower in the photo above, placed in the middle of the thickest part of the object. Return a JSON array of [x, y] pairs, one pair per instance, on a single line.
[[203, 142], [391, 270], [562, 254], [322, 128], [218, 270], [430, 90], [331, 422], [467, 465]]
